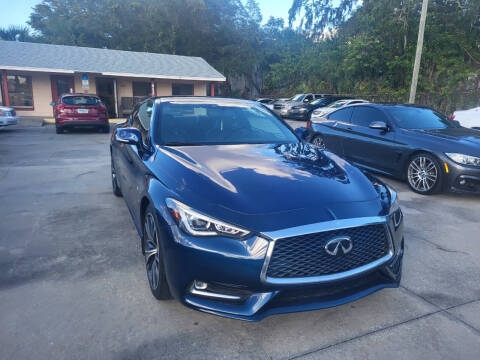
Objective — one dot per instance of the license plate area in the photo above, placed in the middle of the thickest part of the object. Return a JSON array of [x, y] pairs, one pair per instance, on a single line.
[[82, 111]]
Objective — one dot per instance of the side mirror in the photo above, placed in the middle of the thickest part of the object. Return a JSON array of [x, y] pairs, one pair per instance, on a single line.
[[300, 132], [130, 136], [379, 125], [53, 103]]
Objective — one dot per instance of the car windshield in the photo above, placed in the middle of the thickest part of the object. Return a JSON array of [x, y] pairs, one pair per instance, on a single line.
[[81, 100], [420, 118], [298, 97], [181, 123], [337, 104], [323, 101]]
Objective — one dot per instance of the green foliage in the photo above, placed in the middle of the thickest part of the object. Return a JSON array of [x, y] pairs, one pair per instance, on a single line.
[[15, 33], [372, 51], [226, 33]]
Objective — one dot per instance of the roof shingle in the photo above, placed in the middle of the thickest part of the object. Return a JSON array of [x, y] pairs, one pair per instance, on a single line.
[[61, 58]]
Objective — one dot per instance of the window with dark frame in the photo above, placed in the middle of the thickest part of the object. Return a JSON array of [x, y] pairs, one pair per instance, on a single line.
[[182, 89], [141, 89], [20, 91]]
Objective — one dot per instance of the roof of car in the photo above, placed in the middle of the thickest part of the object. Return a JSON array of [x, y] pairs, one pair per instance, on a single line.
[[390, 105], [79, 94], [202, 99]]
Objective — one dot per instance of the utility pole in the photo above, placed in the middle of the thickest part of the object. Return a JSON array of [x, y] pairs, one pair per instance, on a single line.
[[418, 55]]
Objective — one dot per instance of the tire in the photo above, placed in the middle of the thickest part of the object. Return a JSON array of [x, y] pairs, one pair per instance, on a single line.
[[115, 187], [424, 174], [319, 141], [58, 129], [152, 251]]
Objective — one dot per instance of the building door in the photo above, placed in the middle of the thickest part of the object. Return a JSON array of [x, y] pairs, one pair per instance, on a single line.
[[107, 91], [62, 85]]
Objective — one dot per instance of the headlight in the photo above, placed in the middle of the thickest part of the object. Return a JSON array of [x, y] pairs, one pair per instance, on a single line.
[[196, 224], [464, 159]]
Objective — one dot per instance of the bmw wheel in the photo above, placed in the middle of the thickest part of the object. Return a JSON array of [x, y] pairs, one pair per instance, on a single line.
[[153, 257], [424, 174], [115, 187], [318, 141]]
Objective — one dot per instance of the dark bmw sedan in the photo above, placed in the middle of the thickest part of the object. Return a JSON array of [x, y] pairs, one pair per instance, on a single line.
[[417, 144], [240, 218]]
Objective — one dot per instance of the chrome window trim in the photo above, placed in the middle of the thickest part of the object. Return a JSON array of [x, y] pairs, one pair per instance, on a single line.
[[322, 227]]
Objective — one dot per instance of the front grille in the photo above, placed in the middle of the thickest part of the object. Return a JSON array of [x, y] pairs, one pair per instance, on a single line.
[[278, 106], [329, 292], [305, 255]]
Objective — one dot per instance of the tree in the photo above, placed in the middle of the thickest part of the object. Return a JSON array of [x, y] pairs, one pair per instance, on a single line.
[[15, 33]]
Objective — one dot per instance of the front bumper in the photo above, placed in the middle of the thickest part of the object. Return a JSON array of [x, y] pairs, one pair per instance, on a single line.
[[462, 178], [233, 270], [8, 120]]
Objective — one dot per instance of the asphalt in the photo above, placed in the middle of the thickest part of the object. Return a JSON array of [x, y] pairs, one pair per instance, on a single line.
[[73, 283]]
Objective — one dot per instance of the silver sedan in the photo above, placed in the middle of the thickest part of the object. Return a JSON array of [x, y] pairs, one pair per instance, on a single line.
[[8, 116]]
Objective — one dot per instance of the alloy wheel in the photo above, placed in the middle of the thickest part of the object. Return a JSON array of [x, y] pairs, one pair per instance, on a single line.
[[151, 251], [422, 174]]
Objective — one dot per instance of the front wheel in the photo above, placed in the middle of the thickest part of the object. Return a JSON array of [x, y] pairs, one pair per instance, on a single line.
[[58, 129], [424, 174], [154, 257]]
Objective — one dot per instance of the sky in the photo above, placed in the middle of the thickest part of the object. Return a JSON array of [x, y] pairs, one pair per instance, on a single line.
[[17, 12]]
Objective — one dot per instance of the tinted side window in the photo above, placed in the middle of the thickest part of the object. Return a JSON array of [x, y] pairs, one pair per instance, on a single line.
[[364, 116], [142, 118], [342, 115], [145, 114], [309, 97]]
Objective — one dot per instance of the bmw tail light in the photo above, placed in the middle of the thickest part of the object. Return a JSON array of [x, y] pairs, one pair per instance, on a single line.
[[309, 123]]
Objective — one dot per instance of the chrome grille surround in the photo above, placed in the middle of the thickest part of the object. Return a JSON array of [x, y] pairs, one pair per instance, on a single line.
[[324, 227]]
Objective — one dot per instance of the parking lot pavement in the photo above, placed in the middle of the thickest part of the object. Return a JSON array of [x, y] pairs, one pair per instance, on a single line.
[[73, 284]]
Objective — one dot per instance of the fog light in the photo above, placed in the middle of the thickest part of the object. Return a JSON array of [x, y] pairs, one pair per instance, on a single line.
[[200, 285], [463, 182]]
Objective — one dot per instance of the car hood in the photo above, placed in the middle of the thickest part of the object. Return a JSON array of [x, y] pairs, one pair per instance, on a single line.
[[264, 187]]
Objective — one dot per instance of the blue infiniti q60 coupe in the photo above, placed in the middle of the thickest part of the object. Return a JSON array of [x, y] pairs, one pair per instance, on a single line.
[[240, 218]]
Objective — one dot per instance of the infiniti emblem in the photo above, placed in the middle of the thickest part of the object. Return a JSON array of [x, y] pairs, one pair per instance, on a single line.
[[342, 242]]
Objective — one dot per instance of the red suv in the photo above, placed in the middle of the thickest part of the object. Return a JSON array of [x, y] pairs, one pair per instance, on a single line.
[[75, 110]]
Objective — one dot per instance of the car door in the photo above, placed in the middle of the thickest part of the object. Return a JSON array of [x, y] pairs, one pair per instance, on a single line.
[[337, 122], [372, 148], [120, 157], [135, 157]]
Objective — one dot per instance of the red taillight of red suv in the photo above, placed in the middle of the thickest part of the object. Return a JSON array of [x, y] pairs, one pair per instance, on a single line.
[[309, 123], [62, 110]]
